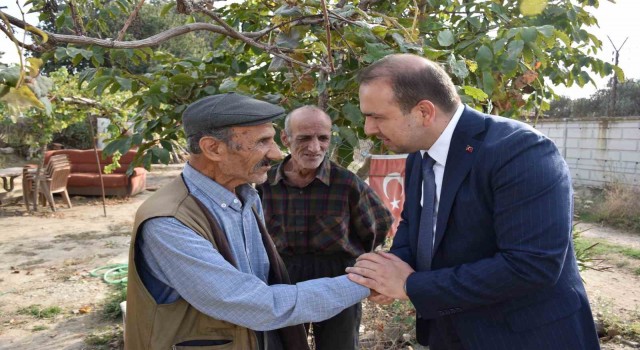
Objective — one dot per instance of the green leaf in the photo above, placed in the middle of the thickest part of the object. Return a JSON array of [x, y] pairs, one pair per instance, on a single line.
[[161, 154], [124, 83], [547, 30], [474, 92], [210, 90], [347, 134], [38, 32], [183, 79], [446, 38], [532, 7], [488, 82], [166, 145], [515, 48], [98, 81], [228, 85], [458, 67], [288, 11], [529, 34], [9, 75], [121, 145], [484, 57], [352, 113], [376, 51], [167, 7], [291, 39]]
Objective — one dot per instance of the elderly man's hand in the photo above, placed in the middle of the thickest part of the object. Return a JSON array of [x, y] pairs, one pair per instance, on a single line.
[[383, 272]]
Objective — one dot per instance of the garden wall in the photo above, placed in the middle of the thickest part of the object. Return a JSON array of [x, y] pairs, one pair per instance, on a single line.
[[598, 151]]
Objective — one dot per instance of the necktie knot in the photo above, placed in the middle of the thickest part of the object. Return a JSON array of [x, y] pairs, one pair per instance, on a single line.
[[427, 162]]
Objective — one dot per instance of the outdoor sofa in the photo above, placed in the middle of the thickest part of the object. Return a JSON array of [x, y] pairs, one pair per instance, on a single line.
[[84, 178]]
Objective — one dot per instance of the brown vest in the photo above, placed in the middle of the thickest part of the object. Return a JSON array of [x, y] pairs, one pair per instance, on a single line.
[[153, 326]]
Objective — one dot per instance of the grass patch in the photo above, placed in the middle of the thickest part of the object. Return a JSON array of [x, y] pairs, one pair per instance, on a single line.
[[38, 311], [106, 338], [595, 247], [614, 325], [39, 328], [111, 308]]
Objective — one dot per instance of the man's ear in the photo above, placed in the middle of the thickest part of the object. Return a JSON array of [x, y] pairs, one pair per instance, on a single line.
[[284, 138], [428, 112], [212, 148]]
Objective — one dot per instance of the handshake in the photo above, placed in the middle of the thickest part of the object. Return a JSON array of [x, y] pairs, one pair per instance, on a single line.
[[384, 273]]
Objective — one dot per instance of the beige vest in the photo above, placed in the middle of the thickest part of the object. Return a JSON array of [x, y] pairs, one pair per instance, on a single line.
[[158, 327]]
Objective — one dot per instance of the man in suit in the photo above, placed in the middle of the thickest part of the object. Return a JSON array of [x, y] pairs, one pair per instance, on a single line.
[[484, 249]]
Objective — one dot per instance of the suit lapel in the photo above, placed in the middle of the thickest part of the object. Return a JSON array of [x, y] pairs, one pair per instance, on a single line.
[[460, 158]]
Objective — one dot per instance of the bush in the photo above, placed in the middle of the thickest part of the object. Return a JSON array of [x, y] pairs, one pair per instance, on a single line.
[[617, 206]]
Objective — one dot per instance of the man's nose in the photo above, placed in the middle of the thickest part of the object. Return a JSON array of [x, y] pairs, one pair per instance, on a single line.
[[369, 127], [274, 152], [314, 145]]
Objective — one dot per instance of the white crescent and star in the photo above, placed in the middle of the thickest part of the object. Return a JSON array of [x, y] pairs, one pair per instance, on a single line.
[[390, 177]]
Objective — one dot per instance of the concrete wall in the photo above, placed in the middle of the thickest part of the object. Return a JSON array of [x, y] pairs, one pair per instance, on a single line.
[[598, 151]]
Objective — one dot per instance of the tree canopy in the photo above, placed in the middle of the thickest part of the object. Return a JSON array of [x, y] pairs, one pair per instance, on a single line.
[[504, 55], [599, 104]]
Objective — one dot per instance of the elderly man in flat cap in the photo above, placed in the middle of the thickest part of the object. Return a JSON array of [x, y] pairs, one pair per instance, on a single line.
[[203, 271]]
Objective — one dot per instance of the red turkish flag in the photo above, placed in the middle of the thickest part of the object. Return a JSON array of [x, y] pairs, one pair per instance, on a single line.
[[386, 177]]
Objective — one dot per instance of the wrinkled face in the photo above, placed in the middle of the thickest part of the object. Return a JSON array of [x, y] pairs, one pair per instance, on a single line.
[[385, 120], [248, 155], [308, 139]]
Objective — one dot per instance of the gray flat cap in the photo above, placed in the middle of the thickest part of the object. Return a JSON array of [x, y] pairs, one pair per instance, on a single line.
[[225, 110]]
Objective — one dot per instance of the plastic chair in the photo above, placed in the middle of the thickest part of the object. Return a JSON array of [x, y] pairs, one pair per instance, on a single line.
[[52, 180]]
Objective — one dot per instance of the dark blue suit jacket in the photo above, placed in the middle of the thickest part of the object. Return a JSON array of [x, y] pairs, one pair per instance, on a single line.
[[504, 274]]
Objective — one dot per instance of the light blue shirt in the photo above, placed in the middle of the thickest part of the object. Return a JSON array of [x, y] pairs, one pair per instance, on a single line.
[[176, 262]]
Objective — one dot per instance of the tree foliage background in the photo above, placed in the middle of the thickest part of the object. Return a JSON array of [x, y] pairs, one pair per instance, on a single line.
[[502, 54], [627, 103]]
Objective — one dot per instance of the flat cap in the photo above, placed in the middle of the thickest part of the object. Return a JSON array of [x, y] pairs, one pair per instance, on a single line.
[[226, 110]]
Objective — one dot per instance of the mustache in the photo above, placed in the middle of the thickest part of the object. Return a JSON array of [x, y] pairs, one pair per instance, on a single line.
[[262, 163]]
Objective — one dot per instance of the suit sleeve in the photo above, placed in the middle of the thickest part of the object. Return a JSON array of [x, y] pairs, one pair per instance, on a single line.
[[529, 193]]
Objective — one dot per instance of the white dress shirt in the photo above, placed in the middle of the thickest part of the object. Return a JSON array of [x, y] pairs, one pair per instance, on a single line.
[[439, 151]]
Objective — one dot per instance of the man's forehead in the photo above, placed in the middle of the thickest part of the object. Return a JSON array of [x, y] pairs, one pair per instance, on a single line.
[[266, 128]]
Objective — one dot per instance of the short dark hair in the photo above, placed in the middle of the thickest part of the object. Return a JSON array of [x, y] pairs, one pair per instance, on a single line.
[[223, 134], [413, 83]]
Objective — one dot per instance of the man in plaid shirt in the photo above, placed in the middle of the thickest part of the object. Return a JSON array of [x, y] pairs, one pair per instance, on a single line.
[[321, 217]]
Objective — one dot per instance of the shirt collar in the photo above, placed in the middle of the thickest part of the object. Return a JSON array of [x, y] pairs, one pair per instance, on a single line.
[[440, 149], [203, 185], [323, 173]]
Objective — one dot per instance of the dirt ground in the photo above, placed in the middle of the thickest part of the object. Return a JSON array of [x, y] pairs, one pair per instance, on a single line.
[[46, 258]]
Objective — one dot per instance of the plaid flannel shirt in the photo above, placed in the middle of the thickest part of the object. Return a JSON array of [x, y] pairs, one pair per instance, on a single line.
[[336, 213]]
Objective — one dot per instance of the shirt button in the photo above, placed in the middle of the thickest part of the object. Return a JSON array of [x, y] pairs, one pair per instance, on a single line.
[[224, 205], [301, 192], [235, 201]]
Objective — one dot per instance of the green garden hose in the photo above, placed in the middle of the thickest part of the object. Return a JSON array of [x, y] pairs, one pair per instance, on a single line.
[[112, 274]]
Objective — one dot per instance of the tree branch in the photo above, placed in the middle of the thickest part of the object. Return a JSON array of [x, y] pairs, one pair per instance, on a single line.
[[77, 21], [274, 50], [147, 42], [126, 25], [327, 27]]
